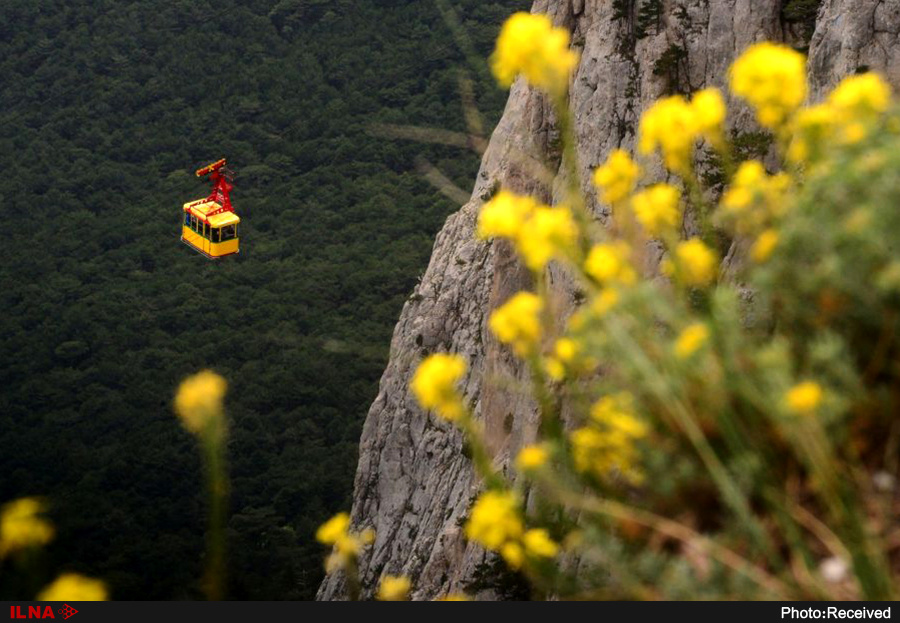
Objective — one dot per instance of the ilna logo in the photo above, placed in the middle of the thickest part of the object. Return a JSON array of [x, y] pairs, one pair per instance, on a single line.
[[36, 612]]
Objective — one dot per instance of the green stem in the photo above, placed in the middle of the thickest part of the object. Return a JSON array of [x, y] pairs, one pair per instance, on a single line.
[[684, 419], [213, 440]]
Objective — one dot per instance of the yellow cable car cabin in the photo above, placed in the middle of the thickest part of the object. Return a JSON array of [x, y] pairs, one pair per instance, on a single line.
[[210, 225], [214, 235]]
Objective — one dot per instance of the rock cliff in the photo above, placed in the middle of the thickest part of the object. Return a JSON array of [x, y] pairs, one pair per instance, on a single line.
[[414, 484]]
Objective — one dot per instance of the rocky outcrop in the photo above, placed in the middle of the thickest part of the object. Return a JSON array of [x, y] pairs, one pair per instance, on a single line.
[[855, 36], [414, 484]]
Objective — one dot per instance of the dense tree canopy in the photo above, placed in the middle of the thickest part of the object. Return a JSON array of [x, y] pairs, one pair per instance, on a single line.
[[106, 108]]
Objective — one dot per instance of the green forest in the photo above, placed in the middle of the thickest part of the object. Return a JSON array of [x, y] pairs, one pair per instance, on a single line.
[[106, 109]]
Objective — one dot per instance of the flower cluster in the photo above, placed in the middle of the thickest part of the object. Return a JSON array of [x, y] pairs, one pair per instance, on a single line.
[[754, 198], [539, 232], [198, 401], [772, 78], [74, 587], [518, 322], [346, 545], [694, 264], [691, 339], [496, 523], [434, 385], [394, 588], [617, 176], [531, 46], [656, 208], [804, 398], [607, 447], [673, 126], [848, 115], [610, 263], [22, 526]]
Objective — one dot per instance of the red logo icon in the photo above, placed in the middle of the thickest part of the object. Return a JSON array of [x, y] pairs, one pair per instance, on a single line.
[[67, 611]]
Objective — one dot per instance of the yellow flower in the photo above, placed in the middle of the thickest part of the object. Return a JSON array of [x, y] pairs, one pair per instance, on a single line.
[[454, 597], [754, 196], [531, 46], [804, 398], [334, 529], [860, 96], [737, 199], [670, 126], [708, 108], [393, 588], [336, 532], [518, 322], [605, 453], [199, 400], [616, 412], [504, 215], [856, 102], [538, 231], [695, 263], [764, 246], [656, 208], [74, 587], [434, 384], [567, 355], [22, 526], [495, 520], [531, 458], [772, 78], [609, 446], [616, 177], [608, 263], [690, 340], [539, 544], [513, 553], [750, 174], [566, 349], [548, 233]]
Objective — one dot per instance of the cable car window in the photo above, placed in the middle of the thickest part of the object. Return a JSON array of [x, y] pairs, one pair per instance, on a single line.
[[187, 219], [228, 233], [193, 223]]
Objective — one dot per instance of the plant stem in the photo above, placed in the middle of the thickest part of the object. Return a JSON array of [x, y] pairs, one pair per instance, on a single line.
[[213, 442]]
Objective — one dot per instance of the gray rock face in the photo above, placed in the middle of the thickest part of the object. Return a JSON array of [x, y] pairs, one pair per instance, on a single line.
[[413, 484], [851, 36]]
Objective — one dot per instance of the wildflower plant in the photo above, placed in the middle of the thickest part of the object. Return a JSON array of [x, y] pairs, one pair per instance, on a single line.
[[702, 437], [199, 406], [346, 548]]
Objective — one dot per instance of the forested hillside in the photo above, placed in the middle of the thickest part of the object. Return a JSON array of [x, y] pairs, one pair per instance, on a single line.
[[106, 108]]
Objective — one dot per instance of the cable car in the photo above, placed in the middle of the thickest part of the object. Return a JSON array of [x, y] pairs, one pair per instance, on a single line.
[[210, 225]]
